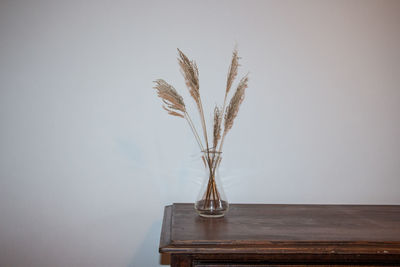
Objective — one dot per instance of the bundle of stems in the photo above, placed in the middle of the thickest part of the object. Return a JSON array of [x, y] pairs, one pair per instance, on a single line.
[[223, 116]]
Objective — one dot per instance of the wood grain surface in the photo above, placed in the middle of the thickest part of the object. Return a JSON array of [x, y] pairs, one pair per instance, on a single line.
[[289, 228]]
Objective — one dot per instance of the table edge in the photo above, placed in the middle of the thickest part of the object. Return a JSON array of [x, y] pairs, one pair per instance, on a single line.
[[167, 245]]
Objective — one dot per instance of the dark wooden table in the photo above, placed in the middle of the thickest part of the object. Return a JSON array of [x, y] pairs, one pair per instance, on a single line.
[[283, 235]]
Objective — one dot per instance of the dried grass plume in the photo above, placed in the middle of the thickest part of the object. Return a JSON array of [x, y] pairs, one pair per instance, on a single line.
[[191, 74], [223, 117], [173, 102], [233, 70], [217, 127], [233, 107]]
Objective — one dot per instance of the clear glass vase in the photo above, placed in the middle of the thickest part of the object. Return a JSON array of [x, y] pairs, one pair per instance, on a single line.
[[211, 201]]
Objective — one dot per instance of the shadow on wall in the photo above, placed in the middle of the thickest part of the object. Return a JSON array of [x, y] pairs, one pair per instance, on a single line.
[[144, 255]]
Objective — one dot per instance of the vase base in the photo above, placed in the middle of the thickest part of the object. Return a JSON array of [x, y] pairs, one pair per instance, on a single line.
[[211, 215], [213, 209]]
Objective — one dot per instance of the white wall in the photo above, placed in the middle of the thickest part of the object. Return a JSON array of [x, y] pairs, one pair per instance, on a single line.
[[88, 158]]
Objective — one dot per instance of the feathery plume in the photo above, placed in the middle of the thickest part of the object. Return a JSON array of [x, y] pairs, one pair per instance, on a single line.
[[223, 116], [232, 73], [233, 70], [233, 107], [173, 102], [191, 74], [217, 127]]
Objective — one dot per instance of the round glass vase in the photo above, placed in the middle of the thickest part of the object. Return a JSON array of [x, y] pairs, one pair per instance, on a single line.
[[211, 202]]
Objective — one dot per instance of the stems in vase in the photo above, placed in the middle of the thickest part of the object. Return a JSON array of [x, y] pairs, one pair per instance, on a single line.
[[174, 105]]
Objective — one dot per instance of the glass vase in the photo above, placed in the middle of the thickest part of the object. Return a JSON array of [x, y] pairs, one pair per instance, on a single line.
[[211, 201]]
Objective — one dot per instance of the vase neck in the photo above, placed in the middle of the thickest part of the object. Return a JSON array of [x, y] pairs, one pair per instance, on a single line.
[[211, 158]]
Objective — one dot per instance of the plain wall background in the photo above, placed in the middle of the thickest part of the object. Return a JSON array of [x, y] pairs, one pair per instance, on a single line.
[[88, 159]]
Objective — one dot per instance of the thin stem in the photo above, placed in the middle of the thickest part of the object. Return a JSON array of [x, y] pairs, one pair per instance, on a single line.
[[196, 135], [220, 123], [208, 194], [214, 175], [210, 188], [203, 122], [222, 141], [222, 116], [212, 193]]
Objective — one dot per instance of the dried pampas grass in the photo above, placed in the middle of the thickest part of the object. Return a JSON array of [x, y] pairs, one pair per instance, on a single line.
[[191, 75], [233, 71], [173, 101], [233, 107], [217, 127], [174, 105]]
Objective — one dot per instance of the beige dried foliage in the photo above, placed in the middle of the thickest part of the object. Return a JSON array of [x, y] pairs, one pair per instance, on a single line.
[[217, 126], [233, 107], [191, 74], [174, 104], [233, 70]]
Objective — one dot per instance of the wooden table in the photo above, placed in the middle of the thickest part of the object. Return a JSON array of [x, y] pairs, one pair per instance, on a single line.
[[283, 235]]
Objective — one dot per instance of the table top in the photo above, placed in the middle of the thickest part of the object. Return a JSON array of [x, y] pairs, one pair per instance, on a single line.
[[262, 228]]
